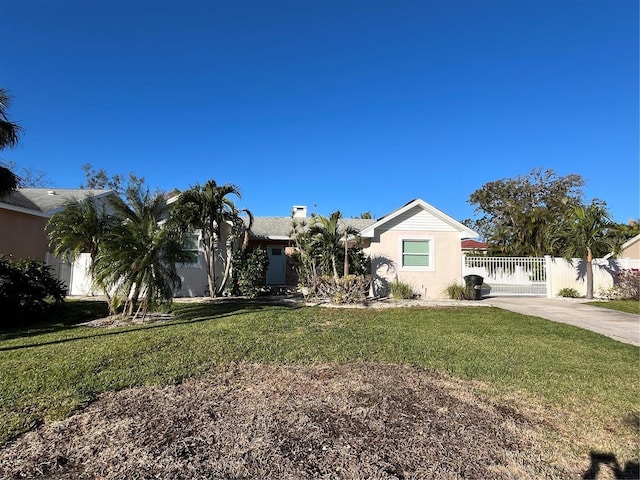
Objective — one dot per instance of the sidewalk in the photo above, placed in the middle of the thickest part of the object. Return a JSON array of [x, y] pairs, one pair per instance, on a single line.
[[624, 327]]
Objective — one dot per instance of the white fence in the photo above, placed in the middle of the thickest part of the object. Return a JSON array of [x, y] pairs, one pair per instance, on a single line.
[[543, 276], [509, 275], [75, 276]]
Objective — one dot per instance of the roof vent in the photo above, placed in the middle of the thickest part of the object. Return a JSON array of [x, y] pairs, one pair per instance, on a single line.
[[299, 211], [51, 192]]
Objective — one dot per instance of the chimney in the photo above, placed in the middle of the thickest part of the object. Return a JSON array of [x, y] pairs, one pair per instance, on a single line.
[[299, 211]]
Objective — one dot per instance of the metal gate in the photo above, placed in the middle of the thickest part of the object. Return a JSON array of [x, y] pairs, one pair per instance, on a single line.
[[509, 275]]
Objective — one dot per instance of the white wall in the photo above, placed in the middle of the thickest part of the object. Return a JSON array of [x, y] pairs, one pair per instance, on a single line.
[[81, 278], [562, 274]]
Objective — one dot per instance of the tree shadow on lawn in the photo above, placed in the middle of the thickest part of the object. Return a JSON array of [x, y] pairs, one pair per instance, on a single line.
[[60, 317], [193, 313], [630, 471]]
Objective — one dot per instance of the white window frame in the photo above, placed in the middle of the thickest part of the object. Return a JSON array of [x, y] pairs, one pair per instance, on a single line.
[[432, 254]]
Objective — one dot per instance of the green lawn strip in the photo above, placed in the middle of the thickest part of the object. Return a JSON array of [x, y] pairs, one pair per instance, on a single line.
[[627, 306], [51, 374]]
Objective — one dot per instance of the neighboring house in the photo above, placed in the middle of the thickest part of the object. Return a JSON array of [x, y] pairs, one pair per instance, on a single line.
[[629, 249], [474, 247], [24, 215], [23, 218]]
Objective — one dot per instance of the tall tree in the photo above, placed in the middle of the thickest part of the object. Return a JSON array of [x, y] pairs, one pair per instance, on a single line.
[[519, 215], [588, 233], [28, 177], [137, 260], [207, 208], [9, 138], [129, 185]]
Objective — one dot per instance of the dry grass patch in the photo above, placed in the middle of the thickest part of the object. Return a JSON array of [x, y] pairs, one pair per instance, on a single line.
[[353, 421]]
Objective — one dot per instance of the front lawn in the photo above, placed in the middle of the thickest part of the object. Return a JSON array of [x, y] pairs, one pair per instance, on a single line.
[[47, 373], [627, 306]]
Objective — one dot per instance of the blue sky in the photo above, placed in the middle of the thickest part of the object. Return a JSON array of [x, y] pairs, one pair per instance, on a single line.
[[350, 105]]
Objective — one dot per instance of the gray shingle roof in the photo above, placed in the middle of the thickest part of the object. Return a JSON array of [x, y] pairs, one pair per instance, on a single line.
[[45, 200], [280, 227]]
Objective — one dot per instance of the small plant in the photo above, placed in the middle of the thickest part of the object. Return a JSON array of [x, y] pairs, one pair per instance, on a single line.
[[569, 293], [611, 293], [455, 291], [402, 291]]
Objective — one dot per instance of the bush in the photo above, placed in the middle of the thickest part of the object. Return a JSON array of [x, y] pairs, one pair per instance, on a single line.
[[349, 289], [627, 283], [249, 272], [569, 293], [402, 291], [455, 291], [27, 290]]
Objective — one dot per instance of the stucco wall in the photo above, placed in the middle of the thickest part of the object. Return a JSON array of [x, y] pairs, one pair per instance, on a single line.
[[386, 263], [633, 251], [23, 235]]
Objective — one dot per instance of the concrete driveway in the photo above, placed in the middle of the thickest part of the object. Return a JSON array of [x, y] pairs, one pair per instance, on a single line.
[[624, 327]]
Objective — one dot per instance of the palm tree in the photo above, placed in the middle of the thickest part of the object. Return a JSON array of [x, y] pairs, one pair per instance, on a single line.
[[239, 231], [9, 137], [8, 181], [329, 237], [9, 131], [137, 259], [589, 233], [207, 208], [80, 228]]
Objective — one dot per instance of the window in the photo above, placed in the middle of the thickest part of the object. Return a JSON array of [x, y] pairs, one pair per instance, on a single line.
[[417, 254], [191, 245]]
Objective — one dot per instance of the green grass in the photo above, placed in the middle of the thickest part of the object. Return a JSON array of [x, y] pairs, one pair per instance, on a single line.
[[49, 371], [628, 306]]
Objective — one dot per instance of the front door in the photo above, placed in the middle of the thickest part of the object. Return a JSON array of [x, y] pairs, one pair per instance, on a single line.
[[277, 261]]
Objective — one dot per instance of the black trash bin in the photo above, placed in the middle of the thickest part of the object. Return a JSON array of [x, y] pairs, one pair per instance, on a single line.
[[474, 284]]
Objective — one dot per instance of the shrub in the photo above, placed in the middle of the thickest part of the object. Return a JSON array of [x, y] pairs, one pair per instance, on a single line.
[[569, 293], [349, 289], [401, 290], [27, 290], [249, 272], [627, 282], [455, 291]]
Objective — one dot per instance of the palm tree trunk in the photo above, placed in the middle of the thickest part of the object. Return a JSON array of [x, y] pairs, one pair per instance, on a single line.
[[335, 269], [209, 260], [134, 298], [346, 256], [589, 272], [227, 269]]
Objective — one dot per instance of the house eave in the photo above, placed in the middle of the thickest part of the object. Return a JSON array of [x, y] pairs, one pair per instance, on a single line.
[[463, 230], [28, 211]]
